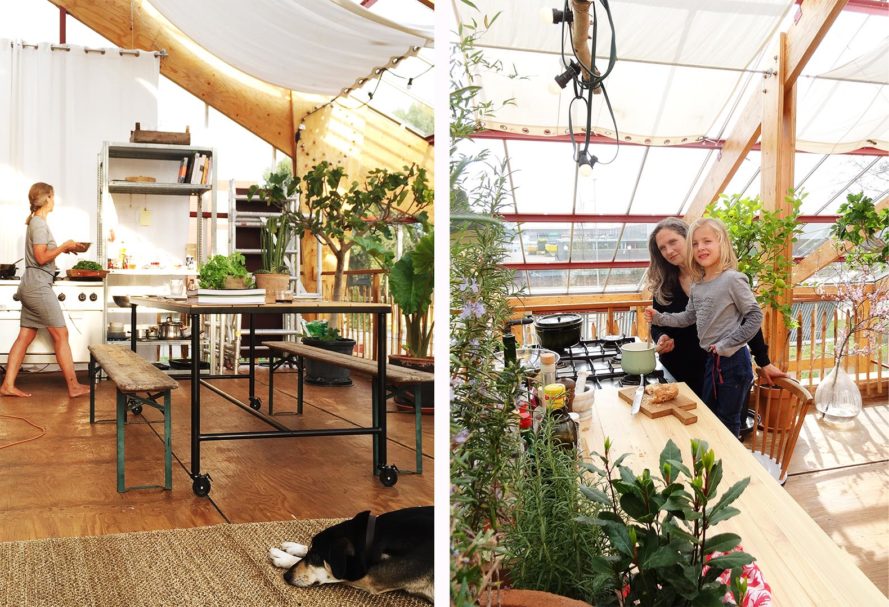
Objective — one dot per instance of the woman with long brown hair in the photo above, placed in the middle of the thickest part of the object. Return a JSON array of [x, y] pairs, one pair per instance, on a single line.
[[669, 280], [40, 307]]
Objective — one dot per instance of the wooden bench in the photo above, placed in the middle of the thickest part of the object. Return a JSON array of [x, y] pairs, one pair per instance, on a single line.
[[395, 376], [133, 375]]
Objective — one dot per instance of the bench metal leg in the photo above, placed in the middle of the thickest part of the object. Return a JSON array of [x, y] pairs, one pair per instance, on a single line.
[[271, 382], [301, 370], [375, 422], [121, 416], [418, 426], [92, 375], [168, 443]]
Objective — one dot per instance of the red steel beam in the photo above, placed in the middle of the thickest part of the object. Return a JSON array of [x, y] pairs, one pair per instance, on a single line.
[[579, 218], [705, 144], [589, 265]]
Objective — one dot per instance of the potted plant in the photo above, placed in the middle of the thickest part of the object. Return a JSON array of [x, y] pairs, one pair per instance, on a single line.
[[411, 281], [276, 233], [225, 272], [320, 335], [274, 237]]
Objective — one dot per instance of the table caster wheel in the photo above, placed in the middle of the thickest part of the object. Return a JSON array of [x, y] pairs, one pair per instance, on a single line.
[[255, 403], [135, 407], [201, 485], [389, 475]]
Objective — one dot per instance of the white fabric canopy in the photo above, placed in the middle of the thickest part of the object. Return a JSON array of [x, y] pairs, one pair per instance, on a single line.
[[311, 46], [681, 66]]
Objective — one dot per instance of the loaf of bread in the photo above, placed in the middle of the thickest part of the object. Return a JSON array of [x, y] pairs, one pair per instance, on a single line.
[[661, 393]]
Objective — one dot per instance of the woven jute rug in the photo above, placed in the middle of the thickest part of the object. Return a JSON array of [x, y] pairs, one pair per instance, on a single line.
[[222, 565]]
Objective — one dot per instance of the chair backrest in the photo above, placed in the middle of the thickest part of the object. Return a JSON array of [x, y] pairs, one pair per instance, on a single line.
[[781, 410]]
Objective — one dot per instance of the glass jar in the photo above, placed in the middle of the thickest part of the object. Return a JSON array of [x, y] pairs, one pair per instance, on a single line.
[[838, 398]]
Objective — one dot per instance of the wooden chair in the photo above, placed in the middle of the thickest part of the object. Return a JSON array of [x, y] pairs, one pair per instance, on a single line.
[[781, 419]]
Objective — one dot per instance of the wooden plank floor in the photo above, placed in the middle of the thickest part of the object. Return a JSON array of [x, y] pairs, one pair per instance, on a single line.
[[841, 478], [64, 483]]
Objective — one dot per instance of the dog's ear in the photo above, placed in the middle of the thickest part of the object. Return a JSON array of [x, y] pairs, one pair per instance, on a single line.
[[345, 563]]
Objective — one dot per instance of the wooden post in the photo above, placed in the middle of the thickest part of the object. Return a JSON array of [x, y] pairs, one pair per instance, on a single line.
[[777, 159]]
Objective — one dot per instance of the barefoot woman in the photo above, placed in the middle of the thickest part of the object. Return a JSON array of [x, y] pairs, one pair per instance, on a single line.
[[40, 307]]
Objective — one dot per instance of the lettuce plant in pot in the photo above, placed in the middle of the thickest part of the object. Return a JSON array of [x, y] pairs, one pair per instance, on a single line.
[[225, 272], [411, 281]]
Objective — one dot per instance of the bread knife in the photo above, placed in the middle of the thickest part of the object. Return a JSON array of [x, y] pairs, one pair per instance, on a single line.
[[637, 398]]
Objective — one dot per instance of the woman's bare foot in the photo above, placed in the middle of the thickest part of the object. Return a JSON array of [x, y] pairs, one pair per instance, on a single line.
[[76, 390], [13, 391]]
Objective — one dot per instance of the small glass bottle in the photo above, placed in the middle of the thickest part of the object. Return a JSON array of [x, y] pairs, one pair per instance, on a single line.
[[547, 368]]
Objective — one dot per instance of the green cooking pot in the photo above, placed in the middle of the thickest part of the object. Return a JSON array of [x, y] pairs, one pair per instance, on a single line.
[[637, 358]]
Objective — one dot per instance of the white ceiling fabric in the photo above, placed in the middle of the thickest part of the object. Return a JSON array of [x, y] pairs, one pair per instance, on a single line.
[[670, 84], [311, 46], [679, 68]]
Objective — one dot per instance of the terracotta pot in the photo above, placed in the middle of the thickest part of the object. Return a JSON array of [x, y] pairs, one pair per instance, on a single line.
[[272, 283], [234, 282], [535, 598], [404, 395]]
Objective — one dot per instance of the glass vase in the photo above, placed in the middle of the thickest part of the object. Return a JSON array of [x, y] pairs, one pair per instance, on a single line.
[[838, 398]]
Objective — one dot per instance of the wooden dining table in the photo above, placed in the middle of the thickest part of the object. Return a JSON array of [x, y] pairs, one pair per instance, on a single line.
[[798, 560]]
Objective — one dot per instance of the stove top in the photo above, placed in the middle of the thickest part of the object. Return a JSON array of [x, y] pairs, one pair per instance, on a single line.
[[602, 359]]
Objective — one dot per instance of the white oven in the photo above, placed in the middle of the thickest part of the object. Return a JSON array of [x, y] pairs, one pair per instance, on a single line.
[[81, 304]]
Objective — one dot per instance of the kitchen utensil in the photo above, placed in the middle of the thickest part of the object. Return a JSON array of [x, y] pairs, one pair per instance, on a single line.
[[680, 407], [152, 332], [637, 397], [7, 270], [142, 333], [637, 358], [115, 327], [170, 329], [558, 331], [122, 300], [83, 247]]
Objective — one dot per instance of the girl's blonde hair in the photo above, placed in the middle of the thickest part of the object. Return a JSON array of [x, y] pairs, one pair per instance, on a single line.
[[727, 258], [38, 196]]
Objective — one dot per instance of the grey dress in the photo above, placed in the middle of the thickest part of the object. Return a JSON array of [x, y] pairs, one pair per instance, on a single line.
[[40, 306]]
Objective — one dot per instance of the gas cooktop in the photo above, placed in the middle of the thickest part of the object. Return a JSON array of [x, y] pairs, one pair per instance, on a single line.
[[602, 359]]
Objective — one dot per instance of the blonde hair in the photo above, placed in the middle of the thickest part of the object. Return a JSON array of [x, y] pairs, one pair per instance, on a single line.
[[38, 196], [727, 258]]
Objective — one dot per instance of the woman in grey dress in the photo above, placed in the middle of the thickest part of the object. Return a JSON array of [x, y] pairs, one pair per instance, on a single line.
[[40, 307]]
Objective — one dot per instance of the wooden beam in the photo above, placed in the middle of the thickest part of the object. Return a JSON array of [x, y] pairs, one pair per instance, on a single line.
[[825, 254], [261, 108], [778, 144], [817, 16]]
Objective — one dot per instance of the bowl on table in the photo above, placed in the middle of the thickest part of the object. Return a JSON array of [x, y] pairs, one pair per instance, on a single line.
[[83, 247], [122, 300]]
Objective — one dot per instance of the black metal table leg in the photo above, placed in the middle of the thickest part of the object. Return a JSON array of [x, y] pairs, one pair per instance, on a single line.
[[133, 327], [255, 403], [381, 387], [301, 367], [271, 382], [92, 374], [200, 483]]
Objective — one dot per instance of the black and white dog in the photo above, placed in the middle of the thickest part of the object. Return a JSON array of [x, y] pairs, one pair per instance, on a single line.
[[393, 551]]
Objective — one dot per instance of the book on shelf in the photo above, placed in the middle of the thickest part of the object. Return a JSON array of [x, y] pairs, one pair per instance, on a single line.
[[230, 292], [199, 161], [183, 170]]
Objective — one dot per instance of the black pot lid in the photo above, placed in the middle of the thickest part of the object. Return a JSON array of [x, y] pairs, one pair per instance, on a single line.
[[558, 320]]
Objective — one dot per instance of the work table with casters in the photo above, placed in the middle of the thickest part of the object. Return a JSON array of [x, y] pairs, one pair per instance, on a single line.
[[799, 561], [201, 482]]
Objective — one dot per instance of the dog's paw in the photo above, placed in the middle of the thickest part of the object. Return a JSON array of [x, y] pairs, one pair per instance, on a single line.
[[281, 559], [294, 549]]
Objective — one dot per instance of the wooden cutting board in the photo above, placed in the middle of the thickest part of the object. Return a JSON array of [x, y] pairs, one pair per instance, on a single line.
[[679, 406]]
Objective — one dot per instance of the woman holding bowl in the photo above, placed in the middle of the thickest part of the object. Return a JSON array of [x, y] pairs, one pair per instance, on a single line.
[[669, 281], [40, 307]]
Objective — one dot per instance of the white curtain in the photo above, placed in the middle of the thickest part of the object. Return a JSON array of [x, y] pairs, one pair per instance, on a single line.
[[56, 109]]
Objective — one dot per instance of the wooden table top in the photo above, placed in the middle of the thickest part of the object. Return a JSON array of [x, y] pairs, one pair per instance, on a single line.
[[308, 306], [800, 562]]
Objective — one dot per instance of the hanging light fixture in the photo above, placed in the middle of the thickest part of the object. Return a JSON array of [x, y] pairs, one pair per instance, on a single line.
[[580, 69]]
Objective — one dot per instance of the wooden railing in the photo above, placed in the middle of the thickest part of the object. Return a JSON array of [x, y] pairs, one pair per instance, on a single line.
[[360, 327], [811, 345]]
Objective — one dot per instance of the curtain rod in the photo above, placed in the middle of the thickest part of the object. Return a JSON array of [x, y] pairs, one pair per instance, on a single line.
[[86, 49]]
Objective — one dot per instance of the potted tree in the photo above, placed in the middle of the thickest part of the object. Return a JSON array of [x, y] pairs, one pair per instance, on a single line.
[[344, 216], [411, 281], [276, 233]]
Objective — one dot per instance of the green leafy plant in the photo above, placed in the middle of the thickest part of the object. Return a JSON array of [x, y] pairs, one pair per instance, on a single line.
[[214, 272], [865, 228], [87, 265], [759, 238], [411, 283], [320, 329], [547, 547], [659, 529]]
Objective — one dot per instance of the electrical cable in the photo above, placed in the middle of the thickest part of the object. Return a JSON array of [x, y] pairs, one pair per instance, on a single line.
[[30, 423]]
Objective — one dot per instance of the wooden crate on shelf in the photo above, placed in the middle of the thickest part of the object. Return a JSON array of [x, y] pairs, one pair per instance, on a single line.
[[165, 137]]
